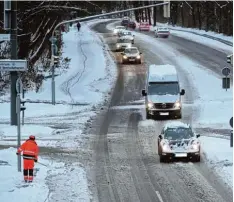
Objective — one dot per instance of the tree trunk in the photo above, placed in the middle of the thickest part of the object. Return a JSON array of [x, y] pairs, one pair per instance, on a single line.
[[199, 16], [155, 15], [193, 14], [182, 15]]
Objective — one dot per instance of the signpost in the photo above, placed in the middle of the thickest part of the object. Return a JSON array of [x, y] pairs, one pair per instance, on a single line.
[[5, 37], [13, 65], [18, 90], [226, 80]]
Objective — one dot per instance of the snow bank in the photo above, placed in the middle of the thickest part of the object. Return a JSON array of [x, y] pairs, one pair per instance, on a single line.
[[49, 184], [197, 31], [220, 157], [11, 182]]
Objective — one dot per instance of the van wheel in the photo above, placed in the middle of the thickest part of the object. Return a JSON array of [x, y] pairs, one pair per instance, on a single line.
[[179, 116], [148, 116]]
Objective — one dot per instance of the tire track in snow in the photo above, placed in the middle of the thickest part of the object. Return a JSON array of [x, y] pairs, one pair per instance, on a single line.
[[66, 86]]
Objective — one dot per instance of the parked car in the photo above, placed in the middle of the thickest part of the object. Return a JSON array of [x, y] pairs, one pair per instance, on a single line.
[[127, 35], [178, 140], [162, 32], [131, 55], [125, 22], [123, 43], [144, 26]]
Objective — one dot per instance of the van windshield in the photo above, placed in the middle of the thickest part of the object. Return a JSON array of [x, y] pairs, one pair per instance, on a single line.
[[163, 88]]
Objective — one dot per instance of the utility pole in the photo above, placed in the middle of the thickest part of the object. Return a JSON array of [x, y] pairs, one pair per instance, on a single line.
[[14, 56]]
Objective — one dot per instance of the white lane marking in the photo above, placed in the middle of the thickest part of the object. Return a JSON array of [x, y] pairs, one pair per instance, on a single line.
[[159, 196]]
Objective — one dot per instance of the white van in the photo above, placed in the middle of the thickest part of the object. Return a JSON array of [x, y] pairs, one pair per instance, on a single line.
[[162, 92]]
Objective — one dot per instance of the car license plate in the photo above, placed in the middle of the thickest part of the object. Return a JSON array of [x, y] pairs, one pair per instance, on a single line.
[[180, 154], [164, 113], [131, 59]]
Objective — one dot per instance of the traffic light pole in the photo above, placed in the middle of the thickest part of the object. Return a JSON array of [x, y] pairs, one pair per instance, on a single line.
[[18, 109], [14, 56], [83, 20]]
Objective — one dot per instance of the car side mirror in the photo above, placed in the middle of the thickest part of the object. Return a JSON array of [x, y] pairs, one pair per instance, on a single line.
[[198, 135], [182, 92], [160, 137], [122, 53], [143, 93]]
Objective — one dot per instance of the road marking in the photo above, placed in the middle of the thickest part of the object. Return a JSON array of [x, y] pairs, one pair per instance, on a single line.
[[159, 196]]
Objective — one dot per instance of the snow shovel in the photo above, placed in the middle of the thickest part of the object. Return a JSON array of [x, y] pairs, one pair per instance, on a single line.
[[37, 161]]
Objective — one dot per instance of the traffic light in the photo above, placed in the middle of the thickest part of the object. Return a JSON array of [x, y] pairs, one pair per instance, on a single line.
[[230, 59], [56, 60], [22, 107]]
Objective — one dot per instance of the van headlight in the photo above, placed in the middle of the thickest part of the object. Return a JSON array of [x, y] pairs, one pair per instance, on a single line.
[[150, 105], [125, 57], [177, 104], [117, 45], [138, 57]]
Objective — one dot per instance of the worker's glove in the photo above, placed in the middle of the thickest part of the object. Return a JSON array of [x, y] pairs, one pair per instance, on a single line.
[[17, 153], [35, 160]]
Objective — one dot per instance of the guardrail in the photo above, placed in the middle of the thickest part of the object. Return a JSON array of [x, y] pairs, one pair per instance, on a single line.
[[206, 35]]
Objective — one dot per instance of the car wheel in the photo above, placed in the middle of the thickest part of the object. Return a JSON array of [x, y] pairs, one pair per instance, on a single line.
[[162, 159], [197, 158], [156, 36], [132, 41], [139, 62]]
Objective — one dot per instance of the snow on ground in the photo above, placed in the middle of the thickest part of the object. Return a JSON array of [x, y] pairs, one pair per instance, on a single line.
[[220, 157], [86, 83], [184, 33], [12, 184]]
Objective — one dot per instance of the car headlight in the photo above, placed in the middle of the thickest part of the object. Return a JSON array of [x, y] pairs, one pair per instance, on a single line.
[[150, 105], [195, 146], [166, 148], [129, 45], [177, 104], [117, 45], [115, 31], [138, 57], [125, 57]]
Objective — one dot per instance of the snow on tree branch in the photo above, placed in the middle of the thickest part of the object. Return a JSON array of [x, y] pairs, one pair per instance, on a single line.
[[189, 5], [46, 35]]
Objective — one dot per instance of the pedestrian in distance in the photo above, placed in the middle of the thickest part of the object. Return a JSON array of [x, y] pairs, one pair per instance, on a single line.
[[78, 26], [30, 155]]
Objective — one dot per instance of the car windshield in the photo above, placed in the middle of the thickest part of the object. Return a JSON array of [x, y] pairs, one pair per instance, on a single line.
[[122, 27], [123, 41], [178, 133], [163, 88], [131, 50]]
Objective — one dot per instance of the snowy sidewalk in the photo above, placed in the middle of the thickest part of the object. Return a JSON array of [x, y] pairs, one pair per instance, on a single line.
[[87, 81]]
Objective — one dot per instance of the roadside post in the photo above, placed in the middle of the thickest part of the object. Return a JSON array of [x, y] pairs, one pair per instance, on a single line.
[[231, 134], [226, 80], [18, 90]]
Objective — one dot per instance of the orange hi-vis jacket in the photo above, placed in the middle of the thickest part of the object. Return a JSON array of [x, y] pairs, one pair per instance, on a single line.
[[30, 149]]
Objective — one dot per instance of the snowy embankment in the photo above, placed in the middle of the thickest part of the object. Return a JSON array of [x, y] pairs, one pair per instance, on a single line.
[[214, 104], [82, 89], [199, 36]]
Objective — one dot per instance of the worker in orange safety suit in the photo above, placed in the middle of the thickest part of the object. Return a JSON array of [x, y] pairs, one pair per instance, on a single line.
[[30, 155]]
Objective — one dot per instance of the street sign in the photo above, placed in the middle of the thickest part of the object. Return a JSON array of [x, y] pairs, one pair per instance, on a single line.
[[231, 122], [226, 71], [5, 37], [13, 65], [226, 83], [19, 85]]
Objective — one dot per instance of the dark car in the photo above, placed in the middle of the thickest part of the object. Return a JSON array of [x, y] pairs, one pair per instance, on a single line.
[[132, 25], [125, 22]]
